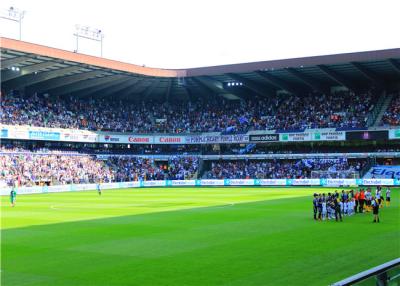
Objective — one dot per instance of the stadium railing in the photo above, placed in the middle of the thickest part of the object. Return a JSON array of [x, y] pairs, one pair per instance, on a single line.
[[383, 275]]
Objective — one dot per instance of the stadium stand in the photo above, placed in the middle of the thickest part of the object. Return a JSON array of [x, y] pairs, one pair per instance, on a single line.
[[392, 115], [339, 110], [57, 167], [282, 169]]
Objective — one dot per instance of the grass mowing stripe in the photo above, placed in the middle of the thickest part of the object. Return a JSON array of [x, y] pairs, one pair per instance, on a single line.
[[261, 240]]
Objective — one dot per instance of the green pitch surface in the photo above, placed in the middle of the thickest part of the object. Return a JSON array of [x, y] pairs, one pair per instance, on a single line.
[[188, 236]]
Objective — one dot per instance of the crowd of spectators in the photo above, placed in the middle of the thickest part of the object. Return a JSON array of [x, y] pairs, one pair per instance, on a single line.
[[344, 109], [339, 110], [392, 115], [37, 168], [284, 169]]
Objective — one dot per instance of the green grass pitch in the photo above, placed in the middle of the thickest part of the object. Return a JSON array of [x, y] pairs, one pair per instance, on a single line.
[[188, 236]]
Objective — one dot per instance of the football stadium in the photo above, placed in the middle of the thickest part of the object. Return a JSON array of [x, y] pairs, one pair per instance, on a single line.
[[279, 172]]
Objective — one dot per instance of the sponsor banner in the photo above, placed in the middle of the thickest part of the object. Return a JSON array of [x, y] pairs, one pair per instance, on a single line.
[[264, 138], [125, 139], [338, 182], [239, 182], [397, 182], [28, 190], [367, 135], [329, 136], [313, 136], [83, 187], [78, 137], [290, 137], [169, 139], [378, 182], [216, 139], [383, 172], [394, 134], [272, 182], [44, 135], [107, 186], [212, 182], [111, 138], [135, 184], [153, 183], [183, 183], [58, 189], [304, 182], [4, 133]]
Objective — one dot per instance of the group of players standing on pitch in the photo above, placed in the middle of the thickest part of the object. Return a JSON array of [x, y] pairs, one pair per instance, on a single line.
[[335, 205]]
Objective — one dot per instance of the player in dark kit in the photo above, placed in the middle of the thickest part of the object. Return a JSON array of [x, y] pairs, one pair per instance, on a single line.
[[315, 206], [375, 209], [336, 206]]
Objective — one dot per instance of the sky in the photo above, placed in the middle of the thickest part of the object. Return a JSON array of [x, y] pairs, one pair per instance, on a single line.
[[184, 34]]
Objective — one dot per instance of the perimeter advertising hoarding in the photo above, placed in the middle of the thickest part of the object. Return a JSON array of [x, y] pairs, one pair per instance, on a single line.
[[303, 182], [4, 133], [367, 135], [394, 134], [44, 135], [377, 182], [338, 182], [264, 138], [383, 172], [270, 182], [125, 139], [319, 135], [216, 139], [4, 191], [239, 182]]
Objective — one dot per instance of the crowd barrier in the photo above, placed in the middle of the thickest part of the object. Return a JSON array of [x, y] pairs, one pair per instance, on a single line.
[[226, 182]]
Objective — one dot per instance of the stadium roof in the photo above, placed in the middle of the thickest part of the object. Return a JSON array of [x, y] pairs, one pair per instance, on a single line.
[[42, 69]]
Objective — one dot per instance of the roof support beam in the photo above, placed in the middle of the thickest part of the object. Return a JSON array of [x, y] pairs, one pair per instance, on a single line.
[[368, 74], [278, 82], [62, 81], [73, 87], [253, 86], [337, 77], [308, 81], [216, 87], [95, 90], [32, 79], [129, 89], [168, 92], [8, 75], [114, 89], [395, 64], [149, 90], [5, 64]]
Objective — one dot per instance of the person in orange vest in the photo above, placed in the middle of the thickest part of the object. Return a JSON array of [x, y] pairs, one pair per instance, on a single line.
[[356, 195], [361, 200]]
